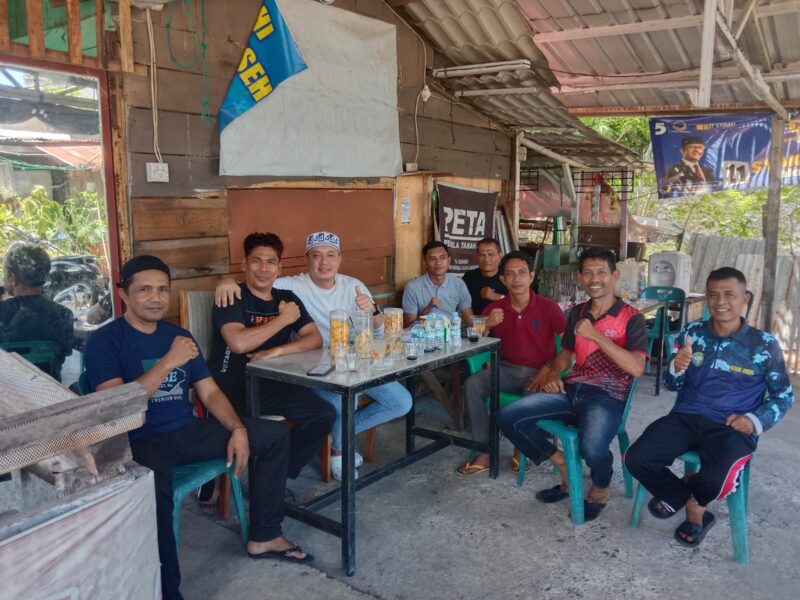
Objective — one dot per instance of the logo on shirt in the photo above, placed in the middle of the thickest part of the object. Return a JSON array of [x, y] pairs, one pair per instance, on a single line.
[[697, 359], [536, 322], [742, 370], [172, 388], [610, 333]]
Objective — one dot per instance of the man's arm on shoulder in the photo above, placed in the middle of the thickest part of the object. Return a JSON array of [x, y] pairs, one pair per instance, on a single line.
[[779, 397]]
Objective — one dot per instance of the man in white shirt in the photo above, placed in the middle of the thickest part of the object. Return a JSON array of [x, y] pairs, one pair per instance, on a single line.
[[323, 289]]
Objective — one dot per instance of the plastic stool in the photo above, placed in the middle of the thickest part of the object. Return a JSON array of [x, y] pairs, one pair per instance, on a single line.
[[190, 477]]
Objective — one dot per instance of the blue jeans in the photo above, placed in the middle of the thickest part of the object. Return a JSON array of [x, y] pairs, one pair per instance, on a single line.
[[597, 415], [391, 400]]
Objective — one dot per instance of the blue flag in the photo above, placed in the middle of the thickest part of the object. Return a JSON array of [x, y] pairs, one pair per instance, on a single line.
[[270, 58]]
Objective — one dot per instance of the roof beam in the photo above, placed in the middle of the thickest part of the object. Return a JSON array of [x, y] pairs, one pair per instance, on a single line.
[[745, 17], [482, 69], [752, 75], [672, 109], [707, 53], [585, 33], [554, 155]]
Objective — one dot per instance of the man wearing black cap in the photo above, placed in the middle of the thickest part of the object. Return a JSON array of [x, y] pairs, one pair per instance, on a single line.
[[140, 346], [688, 171]]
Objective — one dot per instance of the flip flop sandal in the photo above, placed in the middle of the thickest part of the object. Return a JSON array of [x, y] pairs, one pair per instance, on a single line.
[[550, 495], [466, 470], [515, 465], [591, 510], [659, 510], [284, 555], [696, 532], [210, 505]]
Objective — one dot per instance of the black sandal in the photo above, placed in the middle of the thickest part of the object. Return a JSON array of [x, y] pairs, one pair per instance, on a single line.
[[550, 495], [658, 509], [284, 555], [591, 510], [694, 531]]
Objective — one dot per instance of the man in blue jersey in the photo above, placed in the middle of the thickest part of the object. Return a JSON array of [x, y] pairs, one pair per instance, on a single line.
[[140, 346], [732, 386]]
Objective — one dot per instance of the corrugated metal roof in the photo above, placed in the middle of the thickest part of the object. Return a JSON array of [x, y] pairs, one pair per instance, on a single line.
[[468, 32], [637, 64]]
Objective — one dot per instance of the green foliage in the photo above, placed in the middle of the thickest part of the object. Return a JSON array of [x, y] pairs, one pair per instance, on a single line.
[[76, 227]]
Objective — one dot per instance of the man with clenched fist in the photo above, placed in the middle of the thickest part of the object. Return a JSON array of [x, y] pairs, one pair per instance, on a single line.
[[164, 359], [732, 385], [261, 324], [607, 340], [527, 325]]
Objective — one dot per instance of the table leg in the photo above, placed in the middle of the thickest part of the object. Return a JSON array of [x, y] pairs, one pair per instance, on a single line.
[[348, 484], [494, 408], [660, 359], [411, 418]]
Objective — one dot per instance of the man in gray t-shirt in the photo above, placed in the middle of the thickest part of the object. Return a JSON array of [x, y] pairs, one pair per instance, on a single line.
[[436, 288]]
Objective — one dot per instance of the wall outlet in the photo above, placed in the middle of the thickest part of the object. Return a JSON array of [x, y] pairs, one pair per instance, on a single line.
[[157, 172], [411, 167]]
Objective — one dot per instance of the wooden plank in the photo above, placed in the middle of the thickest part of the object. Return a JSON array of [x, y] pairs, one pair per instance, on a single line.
[[458, 162], [179, 133], [100, 32], [120, 159], [361, 218], [179, 218], [411, 236], [187, 175], [442, 134], [193, 257], [74, 41], [178, 91], [35, 24], [5, 39], [125, 36]]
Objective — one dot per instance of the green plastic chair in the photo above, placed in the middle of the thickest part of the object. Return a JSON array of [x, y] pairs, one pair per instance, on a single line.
[[664, 294], [568, 434], [44, 354], [737, 506], [188, 478], [475, 363]]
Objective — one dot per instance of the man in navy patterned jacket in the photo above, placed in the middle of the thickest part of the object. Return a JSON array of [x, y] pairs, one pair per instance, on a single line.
[[732, 386]]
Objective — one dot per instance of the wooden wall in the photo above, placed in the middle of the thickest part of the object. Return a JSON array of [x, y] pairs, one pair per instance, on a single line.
[[186, 220]]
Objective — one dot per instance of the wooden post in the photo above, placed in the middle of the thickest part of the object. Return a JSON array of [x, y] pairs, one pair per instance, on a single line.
[[35, 24], [125, 36], [100, 33], [75, 43], [5, 40], [772, 221], [623, 224]]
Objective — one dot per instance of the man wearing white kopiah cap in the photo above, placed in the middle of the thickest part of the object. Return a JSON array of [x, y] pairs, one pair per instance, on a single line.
[[323, 289]]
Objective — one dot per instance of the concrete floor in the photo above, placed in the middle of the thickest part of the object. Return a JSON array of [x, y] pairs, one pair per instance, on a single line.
[[425, 533]]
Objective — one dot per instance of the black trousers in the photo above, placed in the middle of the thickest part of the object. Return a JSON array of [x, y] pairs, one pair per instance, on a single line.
[[311, 417], [207, 439], [723, 451]]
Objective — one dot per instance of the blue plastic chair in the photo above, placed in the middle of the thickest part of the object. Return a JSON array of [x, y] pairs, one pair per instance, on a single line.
[[568, 434], [187, 478], [664, 294], [737, 506]]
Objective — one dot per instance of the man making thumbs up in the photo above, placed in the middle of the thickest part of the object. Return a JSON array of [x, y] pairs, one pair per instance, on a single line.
[[732, 385], [323, 289]]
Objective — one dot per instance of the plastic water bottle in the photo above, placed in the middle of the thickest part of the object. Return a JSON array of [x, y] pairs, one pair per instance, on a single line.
[[430, 335], [455, 330], [438, 330], [642, 282]]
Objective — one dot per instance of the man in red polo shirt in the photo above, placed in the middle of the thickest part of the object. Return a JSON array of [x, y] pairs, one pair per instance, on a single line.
[[526, 324], [608, 341]]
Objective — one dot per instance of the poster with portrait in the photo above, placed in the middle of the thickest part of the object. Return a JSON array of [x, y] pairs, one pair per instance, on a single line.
[[702, 154]]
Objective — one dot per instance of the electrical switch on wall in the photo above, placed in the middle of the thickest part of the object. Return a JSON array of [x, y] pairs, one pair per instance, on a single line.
[[157, 172]]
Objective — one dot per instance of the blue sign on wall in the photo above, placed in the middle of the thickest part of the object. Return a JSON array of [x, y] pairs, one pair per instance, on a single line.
[[703, 154], [271, 57]]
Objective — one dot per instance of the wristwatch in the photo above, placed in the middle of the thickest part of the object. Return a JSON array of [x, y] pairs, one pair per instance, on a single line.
[[377, 310]]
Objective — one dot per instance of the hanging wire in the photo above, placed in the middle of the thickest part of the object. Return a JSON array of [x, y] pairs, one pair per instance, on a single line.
[[199, 49]]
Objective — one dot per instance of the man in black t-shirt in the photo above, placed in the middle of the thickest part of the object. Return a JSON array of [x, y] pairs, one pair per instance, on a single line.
[[484, 283], [261, 325]]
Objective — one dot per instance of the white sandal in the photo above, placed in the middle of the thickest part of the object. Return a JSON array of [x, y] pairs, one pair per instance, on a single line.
[[336, 468]]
